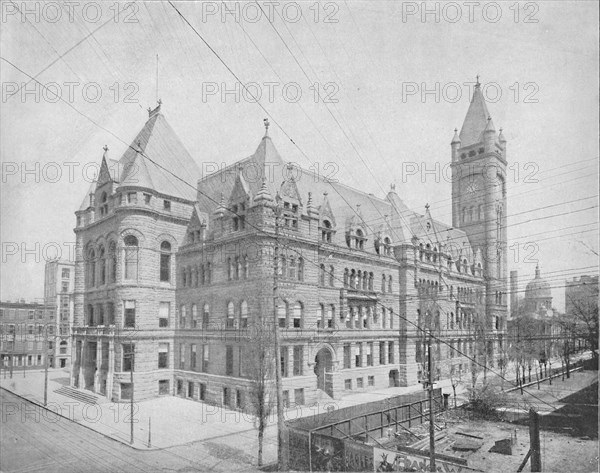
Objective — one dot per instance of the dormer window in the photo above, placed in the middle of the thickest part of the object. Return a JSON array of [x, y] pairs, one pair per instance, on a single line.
[[147, 198], [167, 205], [290, 215], [359, 240], [132, 198], [104, 204], [326, 231], [387, 246], [239, 217]]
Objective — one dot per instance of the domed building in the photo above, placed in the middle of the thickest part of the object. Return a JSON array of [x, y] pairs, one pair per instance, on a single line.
[[538, 296], [533, 318]]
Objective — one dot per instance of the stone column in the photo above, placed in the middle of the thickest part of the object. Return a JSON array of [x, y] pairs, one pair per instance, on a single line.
[[82, 365], [98, 374], [111, 369]]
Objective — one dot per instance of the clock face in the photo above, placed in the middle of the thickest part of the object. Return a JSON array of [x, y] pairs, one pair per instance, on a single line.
[[472, 188]]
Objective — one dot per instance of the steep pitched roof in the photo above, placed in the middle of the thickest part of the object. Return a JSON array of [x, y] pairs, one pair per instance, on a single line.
[[476, 119], [156, 148], [266, 162]]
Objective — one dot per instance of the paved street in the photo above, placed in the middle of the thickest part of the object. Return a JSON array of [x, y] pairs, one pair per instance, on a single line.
[[33, 440]]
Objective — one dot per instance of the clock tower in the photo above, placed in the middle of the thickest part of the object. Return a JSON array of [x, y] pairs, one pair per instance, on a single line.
[[479, 199]]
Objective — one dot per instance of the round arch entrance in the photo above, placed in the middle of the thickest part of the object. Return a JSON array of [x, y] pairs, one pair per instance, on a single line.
[[324, 370]]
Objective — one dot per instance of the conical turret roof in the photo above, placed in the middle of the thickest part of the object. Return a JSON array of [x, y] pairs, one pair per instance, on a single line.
[[476, 120]]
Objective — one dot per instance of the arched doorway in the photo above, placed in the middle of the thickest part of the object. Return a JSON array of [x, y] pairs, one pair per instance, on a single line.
[[324, 370]]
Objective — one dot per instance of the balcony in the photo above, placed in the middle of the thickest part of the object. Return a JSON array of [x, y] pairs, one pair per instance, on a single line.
[[95, 331]]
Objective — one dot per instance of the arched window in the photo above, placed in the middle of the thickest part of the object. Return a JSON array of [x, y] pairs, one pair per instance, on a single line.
[[297, 315], [282, 314], [131, 257], [435, 254], [283, 266], [330, 316], [205, 316], [353, 279], [230, 315], [208, 273], [165, 261], [346, 276], [91, 268], [245, 266], [102, 266], [389, 284], [292, 268], [360, 239], [238, 267], [428, 252], [383, 317], [112, 262], [104, 204], [370, 281], [300, 269], [331, 276], [229, 269], [387, 246], [421, 251], [243, 314], [326, 231], [480, 211], [322, 275], [194, 316], [182, 316], [320, 316], [383, 285]]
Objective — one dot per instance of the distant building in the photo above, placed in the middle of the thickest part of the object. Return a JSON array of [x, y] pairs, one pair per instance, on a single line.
[[59, 282], [23, 334], [534, 321], [581, 305]]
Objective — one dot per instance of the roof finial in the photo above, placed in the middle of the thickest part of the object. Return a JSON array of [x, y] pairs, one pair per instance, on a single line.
[[266, 122], [477, 84], [105, 148], [427, 206], [393, 187]]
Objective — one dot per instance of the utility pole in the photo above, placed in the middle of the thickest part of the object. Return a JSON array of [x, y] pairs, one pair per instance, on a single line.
[[431, 411], [45, 364], [534, 440], [281, 454], [131, 400]]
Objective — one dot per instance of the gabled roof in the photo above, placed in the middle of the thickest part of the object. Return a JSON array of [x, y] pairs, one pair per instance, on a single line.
[[476, 119], [155, 157]]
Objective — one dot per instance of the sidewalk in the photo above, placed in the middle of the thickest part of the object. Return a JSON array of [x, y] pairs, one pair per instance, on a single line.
[[172, 421]]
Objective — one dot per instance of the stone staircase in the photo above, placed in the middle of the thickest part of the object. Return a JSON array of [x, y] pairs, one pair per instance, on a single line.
[[85, 397]]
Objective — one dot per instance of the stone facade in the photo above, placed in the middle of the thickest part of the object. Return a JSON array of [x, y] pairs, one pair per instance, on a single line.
[[361, 280]]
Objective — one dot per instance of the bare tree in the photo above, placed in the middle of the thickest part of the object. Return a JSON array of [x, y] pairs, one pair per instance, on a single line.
[[261, 369], [583, 315]]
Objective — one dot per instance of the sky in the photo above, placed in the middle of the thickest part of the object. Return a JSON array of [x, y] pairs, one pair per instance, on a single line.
[[368, 93]]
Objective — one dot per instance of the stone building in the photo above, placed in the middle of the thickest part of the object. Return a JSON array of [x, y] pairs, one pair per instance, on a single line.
[[23, 332], [183, 277], [534, 326], [59, 278]]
